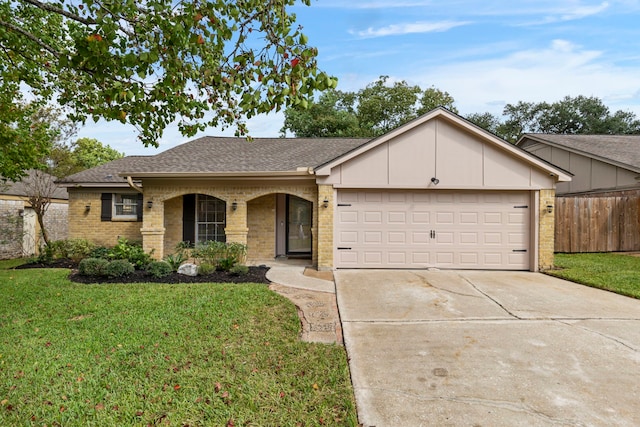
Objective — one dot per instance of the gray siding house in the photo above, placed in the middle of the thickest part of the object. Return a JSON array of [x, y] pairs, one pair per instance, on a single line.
[[599, 209]]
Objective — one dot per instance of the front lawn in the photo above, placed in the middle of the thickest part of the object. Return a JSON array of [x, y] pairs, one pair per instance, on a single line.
[[614, 272], [158, 354]]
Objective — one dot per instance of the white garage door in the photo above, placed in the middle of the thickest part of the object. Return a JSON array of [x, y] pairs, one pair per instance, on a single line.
[[443, 229]]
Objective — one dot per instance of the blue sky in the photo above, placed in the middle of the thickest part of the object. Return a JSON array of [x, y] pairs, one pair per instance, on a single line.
[[484, 53]]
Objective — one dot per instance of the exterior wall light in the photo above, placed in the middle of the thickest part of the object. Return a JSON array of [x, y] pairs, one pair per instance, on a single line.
[[150, 204], [325, 203], [87, 207], [549, 208], [435, 181], [234, 205]]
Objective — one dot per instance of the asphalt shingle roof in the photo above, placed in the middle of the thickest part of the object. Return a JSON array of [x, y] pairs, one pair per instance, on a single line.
[[106, 173], [621, 149], [219, 155], [20, 188]]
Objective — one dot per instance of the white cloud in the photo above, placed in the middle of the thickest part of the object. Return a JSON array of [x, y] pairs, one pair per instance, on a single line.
[[535, 75], [409, 28]]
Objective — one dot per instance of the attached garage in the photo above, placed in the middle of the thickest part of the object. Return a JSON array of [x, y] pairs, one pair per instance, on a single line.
[[440, 192], [443, 229]]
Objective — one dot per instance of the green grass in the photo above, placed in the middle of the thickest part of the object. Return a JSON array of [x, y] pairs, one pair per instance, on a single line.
[[614, 272], [153, 354]]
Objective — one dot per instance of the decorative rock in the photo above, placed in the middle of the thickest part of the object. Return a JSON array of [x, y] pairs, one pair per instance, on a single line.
[[188, 269]]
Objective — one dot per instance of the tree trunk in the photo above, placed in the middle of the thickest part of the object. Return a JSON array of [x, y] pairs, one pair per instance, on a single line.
[[43, 230]]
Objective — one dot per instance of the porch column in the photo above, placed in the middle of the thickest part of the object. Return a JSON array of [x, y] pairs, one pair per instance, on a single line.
[[237, 230], [325, 228], [153, 228], [546, 237]]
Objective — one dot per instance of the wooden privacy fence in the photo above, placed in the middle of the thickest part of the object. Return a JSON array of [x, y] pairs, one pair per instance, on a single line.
[[598, 223]]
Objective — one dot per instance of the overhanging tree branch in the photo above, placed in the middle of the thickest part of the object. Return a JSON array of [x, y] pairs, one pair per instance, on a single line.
[[31, 37], [53, 9]]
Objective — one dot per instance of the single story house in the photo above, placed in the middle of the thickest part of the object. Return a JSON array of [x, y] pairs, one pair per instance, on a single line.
[[436, 192], [599, 209], [20, 233]]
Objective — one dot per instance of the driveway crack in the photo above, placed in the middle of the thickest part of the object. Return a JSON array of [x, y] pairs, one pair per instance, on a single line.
[[609, 337], [496, 302]]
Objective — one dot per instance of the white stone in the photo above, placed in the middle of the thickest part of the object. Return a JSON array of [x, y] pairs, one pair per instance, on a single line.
[[188, 269]]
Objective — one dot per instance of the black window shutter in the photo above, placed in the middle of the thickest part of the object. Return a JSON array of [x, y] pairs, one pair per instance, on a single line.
[[189, 218], [105, 212], [139, 207]]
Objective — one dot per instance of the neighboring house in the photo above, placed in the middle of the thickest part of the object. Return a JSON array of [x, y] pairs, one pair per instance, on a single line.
[[437, 192], [20, 233], [599, 210]]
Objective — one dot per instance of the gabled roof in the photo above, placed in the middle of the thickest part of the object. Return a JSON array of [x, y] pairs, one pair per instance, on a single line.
[[618, 150], [105, 174], [19, 188], [443, 113], [211, 156]]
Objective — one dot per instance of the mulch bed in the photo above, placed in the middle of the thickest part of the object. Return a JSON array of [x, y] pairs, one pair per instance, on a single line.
[[254, 275]]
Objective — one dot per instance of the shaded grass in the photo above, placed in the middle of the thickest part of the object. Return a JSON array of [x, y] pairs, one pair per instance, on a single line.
[[155, 354], [618, 273]]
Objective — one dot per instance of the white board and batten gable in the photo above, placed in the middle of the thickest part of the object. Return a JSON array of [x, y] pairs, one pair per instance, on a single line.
[[444, 146]]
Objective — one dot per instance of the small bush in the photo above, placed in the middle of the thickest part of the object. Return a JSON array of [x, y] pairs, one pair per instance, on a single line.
[[119, 268], [74, 249], [92, 266], [100, 252], [205, 268], [219, 254], [226, 264], [130, 251], [176, 260], [159, 269], [239, 269]]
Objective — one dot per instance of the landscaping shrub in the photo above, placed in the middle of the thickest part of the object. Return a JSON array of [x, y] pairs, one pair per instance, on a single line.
[[130, 251], [100, 252], [239, 269], [176, 260], [159, 269], [205, 268], [119, 268], [223, 256], [92, 266], [74, 249]]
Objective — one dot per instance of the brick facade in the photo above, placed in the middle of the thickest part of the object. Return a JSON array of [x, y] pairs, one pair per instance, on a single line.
[[85, 223], [546, 230], [253, 222]]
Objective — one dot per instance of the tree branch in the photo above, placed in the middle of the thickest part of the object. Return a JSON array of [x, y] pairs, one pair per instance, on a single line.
[[31, 37], [60, 11]]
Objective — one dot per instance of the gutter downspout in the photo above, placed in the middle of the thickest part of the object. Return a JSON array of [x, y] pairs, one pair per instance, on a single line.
[[134, 186]]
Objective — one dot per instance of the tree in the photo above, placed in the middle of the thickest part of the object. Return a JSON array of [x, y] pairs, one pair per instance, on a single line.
[[25, 137], [153, 63], [570, 115], [331, 116], [40, 188], [89, 152], [433, 98], [382, 108], [378, 108]]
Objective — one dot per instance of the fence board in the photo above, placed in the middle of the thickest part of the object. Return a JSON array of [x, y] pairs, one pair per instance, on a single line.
[[598, 223]]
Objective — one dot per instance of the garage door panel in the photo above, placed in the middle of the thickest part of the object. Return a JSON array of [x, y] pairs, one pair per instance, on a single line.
[[419, 229]]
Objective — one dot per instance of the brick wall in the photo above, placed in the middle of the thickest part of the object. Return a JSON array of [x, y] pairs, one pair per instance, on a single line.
[[252, 223], [325, 228], [56, 221], [10, 229], [87, 224], [546, 230], [261, 222]]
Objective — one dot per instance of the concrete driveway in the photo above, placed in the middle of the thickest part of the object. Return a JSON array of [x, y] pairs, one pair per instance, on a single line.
[[471, 348]]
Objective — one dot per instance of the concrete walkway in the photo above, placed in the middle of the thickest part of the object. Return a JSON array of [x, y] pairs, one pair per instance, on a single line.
[[314, 295], [471, 348]]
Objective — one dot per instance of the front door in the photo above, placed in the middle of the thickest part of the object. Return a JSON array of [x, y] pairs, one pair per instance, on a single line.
[[299, 213]]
